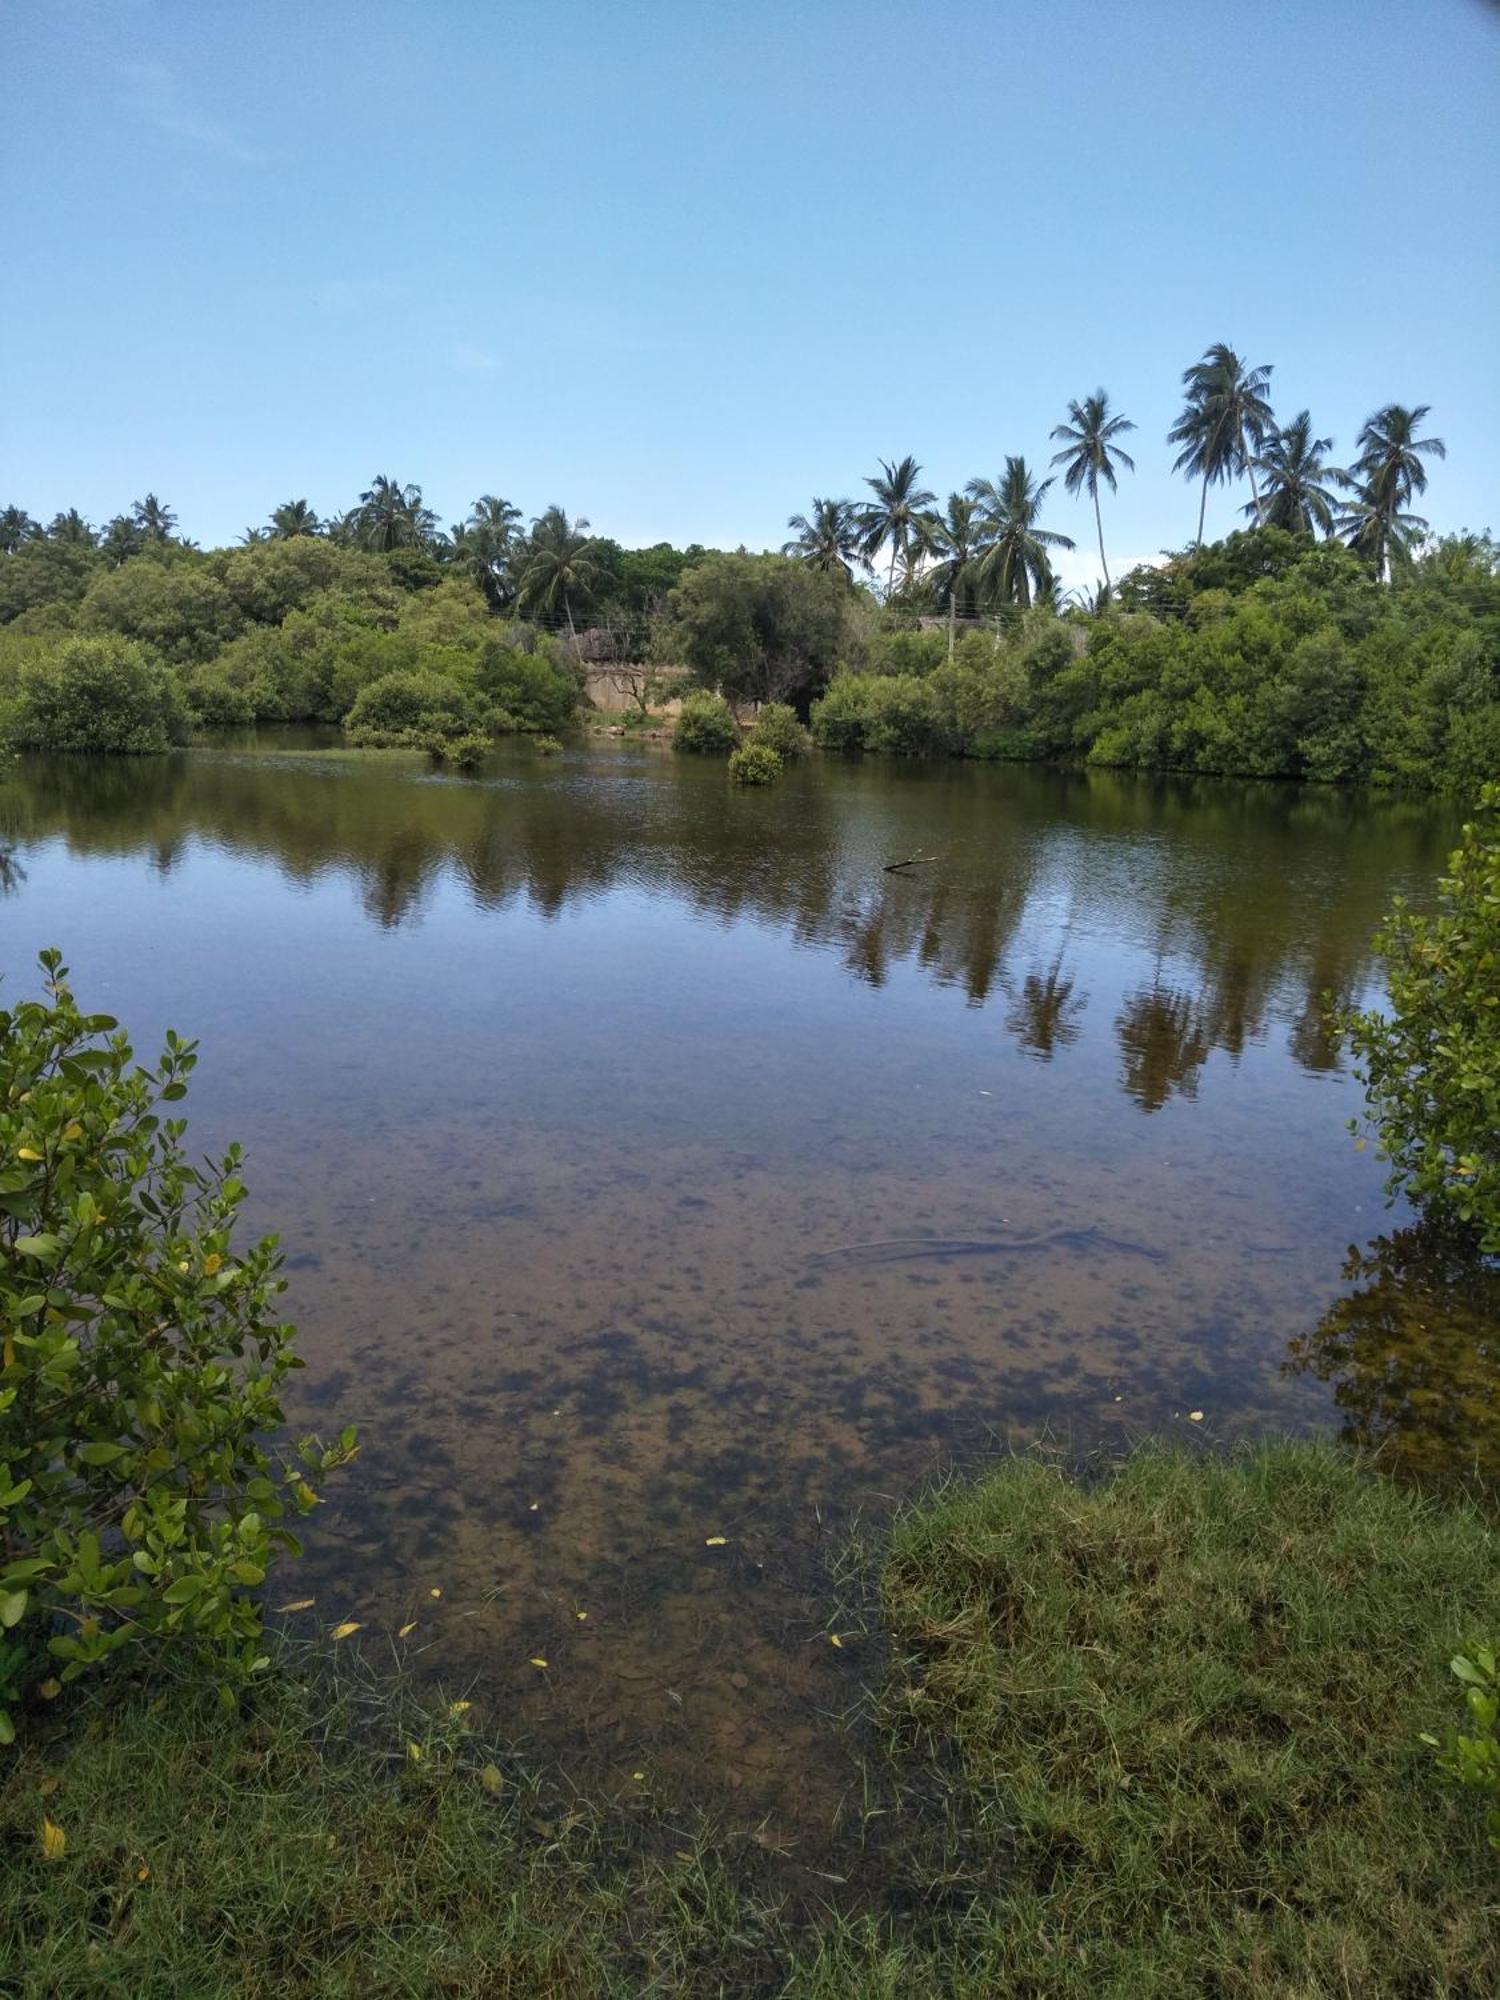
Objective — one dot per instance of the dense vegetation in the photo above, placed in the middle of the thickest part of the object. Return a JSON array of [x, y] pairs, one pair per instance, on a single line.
[[1330, 640]]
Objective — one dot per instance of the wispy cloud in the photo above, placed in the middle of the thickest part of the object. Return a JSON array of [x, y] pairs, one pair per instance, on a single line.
[[151, 90], [473, 360]]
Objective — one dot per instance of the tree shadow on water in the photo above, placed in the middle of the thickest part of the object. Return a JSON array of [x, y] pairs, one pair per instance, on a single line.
[[1413, 1356]]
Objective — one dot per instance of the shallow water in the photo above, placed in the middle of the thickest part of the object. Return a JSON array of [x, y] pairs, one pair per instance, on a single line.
[[579, 1091]]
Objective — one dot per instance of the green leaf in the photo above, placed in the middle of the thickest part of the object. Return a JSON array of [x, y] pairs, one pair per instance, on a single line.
[[13, 1607]]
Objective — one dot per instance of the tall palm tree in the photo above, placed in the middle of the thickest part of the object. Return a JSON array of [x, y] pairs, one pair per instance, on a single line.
[[154, 518], [293, 518], [73, 529], [893, 515], [954, 537], [1090, 454], [1295, 497], [484, 546], [558, 567], [1226, 416], [1014, 557], [391, 516], [829, 538], [17, 526], [1387, 474]]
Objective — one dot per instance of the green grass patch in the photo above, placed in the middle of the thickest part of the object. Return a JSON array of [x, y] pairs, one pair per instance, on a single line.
[[1182, 1708], [1151, 1736]]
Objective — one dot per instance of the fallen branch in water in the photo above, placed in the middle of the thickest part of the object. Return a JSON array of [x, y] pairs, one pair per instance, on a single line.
[[910, 862]]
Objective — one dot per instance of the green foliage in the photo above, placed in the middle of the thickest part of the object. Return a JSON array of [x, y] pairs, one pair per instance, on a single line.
[[899, 713], [96, 694], [757, 628], [42, 572], [706, 725], [755, 764], [1431, 1067], [141, 1365], [777, 728], [527, 674], [407, 709], [464, 753], [171, 603], [1473, 1761], [1179, 1710], [905, 650]]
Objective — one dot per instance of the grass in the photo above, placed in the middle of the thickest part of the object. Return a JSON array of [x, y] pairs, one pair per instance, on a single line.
[[1182, 1706], [1154, 1736]]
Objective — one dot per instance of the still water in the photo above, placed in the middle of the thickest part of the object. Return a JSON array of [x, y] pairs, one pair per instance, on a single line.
[[654, 1167]]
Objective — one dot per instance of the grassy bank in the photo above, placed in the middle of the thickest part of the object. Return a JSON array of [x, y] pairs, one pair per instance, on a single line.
[[1151, 1736]]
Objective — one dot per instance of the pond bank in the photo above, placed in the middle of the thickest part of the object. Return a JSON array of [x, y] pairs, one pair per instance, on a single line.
[[1152, 1736]]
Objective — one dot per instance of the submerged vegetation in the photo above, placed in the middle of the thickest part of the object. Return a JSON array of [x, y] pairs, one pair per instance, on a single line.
[[1332, 639]]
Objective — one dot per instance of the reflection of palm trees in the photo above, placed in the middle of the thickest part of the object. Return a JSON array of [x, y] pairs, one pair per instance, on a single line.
[[12, 874], [1044, 1014], [1165, 1042], [1414, 1356]]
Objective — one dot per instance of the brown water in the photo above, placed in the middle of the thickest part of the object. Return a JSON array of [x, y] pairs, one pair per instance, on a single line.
[[581, 1091]]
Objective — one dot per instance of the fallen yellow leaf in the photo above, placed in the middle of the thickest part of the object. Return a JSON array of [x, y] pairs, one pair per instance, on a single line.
[[537, 1660], [48, 1783], [436, 1591], [581, 1616], [1195, 1416], [143, 1874], [459, 1707], [490, 1778], [298, 1604], [834, 1639], [50, 1689], [414, 1752], [54, 1841], [349, 1625], [715, 1541], [407, 1628], [639, 1776]]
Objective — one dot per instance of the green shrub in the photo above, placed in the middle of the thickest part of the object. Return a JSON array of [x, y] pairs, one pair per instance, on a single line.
[[406, 710], [839, 720], [535, 685], [1431, 1067], [755, 764], [1474, 1761], [776, 726], [141, 1365], [464, 753], [706, 725], [96, 694], [547, 746]]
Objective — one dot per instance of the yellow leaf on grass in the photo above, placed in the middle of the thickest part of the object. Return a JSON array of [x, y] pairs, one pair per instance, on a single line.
[[349, 1625], [581, 1616], [298, 1604], [1195, 1416], [407, 1628], [834, 1639], [54, 1841], [414, 1752], [50, 1689], [143, 1874], [490, 1778], [436, 1590], [639, 1776], [715, 1541], [48, 1783], [537, 1660], [456, 1708]]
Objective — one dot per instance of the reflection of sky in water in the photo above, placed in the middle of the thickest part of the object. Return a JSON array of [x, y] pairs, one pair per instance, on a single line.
[[560, 1086]]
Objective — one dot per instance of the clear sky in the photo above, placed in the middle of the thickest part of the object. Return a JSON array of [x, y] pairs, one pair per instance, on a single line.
[[681, 264]]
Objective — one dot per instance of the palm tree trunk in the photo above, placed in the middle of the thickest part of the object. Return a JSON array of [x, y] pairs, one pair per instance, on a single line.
[[1202, 510], [1099, 524], [568, 608], [1254, 493], [952, 617], [890, 582]]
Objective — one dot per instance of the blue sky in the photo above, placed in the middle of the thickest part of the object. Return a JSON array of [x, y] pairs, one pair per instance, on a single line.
[[679, 264]]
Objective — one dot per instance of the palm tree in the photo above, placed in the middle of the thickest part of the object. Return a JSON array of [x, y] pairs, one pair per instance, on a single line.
[[391, 516], [1295, 497], [292, 518], [484, 545], [73, 529], [558, 566], [1090, 454], [254, 535], [829, 539], [1014, 557], [154, 518], [1386, 475], [954, 537], [1225, 415], [17, 526], [893, 515]]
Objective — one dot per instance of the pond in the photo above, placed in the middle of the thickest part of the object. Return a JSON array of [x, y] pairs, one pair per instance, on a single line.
[[664, 1181]]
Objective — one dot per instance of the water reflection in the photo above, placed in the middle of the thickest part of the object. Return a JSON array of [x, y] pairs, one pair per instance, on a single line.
[[1413, 1355]]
